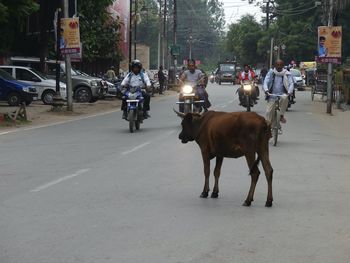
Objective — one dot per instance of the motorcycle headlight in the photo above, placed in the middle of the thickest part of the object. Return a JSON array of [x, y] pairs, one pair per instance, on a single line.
[[247, 87], [187, 89]]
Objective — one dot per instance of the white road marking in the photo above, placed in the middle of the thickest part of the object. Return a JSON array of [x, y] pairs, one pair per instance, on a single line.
[[3, 133], [135, 148], [42, 187]]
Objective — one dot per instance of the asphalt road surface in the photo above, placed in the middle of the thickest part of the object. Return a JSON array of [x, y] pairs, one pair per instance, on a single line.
[[89, 191]]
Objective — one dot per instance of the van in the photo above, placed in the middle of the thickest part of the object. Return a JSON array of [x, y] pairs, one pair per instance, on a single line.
[[46, 88], [15, 92]]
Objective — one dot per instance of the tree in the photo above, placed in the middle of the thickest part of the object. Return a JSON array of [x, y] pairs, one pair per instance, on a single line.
[[13, 16], [203, 20], [242, 40], [99, 32]]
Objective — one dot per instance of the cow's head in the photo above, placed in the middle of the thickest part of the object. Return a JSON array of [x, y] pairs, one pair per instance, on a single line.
[[188, 126]]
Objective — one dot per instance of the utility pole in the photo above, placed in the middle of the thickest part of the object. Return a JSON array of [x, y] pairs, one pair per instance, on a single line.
[[271, 51], [164, 45], [190, 42], [330, 66], [135, 29], [267, 14], [57, 100], [130, 32], [68, 66], [160, 38], [175, 29]]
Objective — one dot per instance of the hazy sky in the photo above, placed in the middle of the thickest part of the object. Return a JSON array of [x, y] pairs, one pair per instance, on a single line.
[[234, 9]]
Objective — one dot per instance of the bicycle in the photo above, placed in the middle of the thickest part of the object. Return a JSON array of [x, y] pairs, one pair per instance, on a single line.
[[275, 125]]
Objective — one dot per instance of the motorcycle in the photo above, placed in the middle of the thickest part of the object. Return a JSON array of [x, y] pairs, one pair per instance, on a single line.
[[189, 100], [246, 98], [134, 102]]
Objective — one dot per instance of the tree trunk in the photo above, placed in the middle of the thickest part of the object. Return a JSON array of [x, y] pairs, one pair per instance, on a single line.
[[44, 34]]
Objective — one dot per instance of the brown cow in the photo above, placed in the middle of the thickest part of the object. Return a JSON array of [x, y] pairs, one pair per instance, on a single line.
[[232, 135]]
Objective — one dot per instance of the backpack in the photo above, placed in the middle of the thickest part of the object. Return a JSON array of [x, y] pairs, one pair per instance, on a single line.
[[142, 77]]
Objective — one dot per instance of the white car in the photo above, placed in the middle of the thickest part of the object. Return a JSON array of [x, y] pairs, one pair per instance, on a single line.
[[46, 88]]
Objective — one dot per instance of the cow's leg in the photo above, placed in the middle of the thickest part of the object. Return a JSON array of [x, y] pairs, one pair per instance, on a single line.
[[268, 173], [250, 157], [206, 163], [217, 170]]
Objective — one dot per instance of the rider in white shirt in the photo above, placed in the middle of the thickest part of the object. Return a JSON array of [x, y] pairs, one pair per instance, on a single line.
[[137, 78]]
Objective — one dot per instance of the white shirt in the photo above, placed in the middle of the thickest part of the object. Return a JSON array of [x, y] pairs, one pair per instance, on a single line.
[[136, 80]]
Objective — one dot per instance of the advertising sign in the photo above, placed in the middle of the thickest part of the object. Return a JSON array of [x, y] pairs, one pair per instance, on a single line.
[[69, 36], [329, 44]]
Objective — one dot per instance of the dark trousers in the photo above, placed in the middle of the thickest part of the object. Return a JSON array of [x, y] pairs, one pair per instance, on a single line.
[[146, 102], [161, 87]]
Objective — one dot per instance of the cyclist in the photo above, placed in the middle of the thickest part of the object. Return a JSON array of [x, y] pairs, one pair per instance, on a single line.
[[278, 81]]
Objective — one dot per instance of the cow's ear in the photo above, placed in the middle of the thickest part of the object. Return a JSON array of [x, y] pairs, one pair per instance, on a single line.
[[188, 117]]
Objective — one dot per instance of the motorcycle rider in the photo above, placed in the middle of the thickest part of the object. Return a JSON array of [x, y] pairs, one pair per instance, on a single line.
[[196, 78], [137, 78], [278, 81], [247, 75]]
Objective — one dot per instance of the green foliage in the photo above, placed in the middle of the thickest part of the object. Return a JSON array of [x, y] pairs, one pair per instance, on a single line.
[[13, 16], [99, 33], [242, 40], [294, 24], [201, 19]]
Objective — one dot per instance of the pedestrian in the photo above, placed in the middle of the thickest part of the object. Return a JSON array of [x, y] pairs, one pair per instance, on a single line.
[[161, 79], [263, 73]]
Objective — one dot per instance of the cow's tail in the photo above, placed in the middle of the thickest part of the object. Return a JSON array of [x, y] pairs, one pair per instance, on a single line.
[[254, 167]]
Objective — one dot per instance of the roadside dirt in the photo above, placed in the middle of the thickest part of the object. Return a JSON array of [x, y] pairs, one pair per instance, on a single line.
[[39, 114]]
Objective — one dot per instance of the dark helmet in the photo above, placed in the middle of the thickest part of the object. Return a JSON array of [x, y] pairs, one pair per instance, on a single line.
[[136, 64]]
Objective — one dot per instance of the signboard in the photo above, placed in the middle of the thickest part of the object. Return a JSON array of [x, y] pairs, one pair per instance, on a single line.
[[69, 36], [197, 61], [329, 44], [307, 64], [175, 50]]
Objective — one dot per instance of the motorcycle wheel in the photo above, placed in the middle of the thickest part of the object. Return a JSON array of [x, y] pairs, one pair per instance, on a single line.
[[137, 123], [131, 118], [248, 102]]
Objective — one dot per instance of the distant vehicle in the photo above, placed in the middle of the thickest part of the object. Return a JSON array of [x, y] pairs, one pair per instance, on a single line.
[[298, 79], [15, 92], [226, 72], [46, 88]]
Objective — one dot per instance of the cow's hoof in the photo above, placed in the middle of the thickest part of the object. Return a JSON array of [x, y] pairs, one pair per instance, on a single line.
[[214, 195], [247, 203], [268, 204], [204, 195]]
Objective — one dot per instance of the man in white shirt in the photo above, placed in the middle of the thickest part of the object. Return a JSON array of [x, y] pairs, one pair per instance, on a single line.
[[137, 78], [278, 81]]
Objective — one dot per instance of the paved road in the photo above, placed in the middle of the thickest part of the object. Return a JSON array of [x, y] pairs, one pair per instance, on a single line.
[[89, 191]]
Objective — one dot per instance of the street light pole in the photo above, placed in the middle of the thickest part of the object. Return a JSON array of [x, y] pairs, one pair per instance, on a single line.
[[68, 67], [135, 29], [330, 66], [175, 29], [130, 32]]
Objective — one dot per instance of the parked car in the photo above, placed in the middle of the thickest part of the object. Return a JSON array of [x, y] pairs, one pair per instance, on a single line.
[[85, 88], [15, 92], [298, 79], [46, 88]]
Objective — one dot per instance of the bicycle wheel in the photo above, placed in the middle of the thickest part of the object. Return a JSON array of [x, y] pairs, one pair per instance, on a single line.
[[312, 93], [275, 129]]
